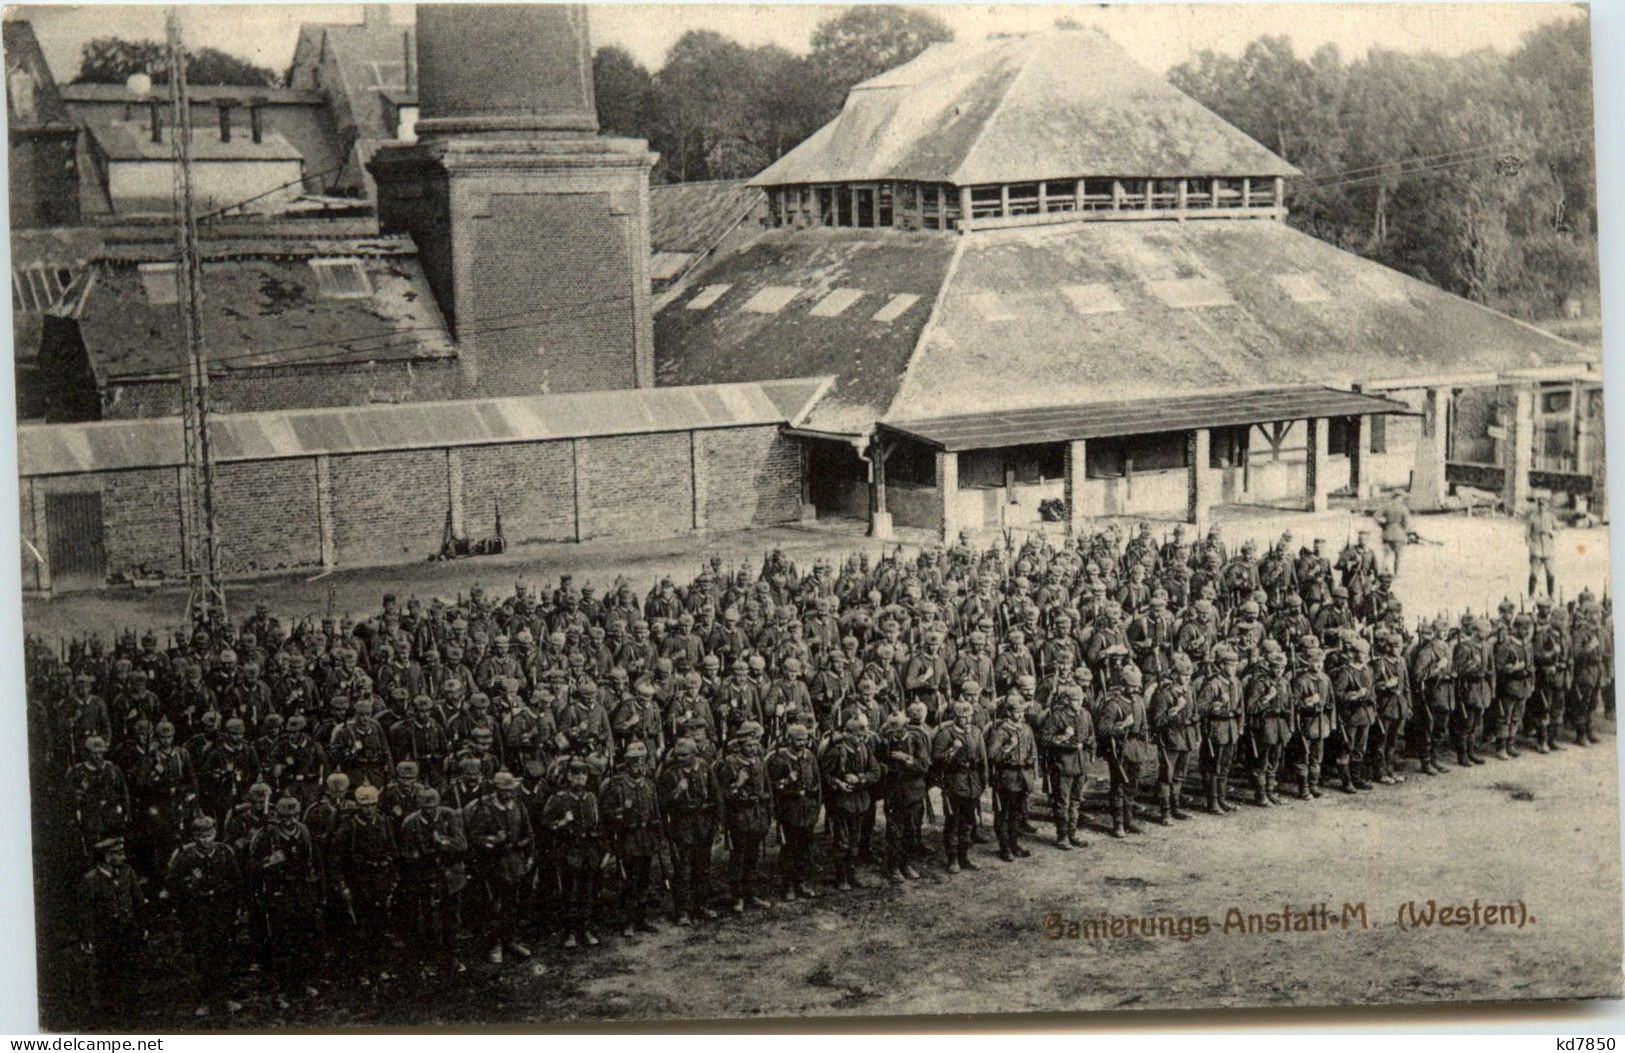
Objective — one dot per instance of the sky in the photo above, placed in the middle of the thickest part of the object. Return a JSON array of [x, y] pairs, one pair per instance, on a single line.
[[1158, 35]]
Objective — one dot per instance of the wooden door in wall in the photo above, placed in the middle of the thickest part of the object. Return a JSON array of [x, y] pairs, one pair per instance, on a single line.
[[73, 526]]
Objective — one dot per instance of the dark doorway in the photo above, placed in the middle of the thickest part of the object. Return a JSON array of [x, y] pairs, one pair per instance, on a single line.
[[73, 530], [837, 480]]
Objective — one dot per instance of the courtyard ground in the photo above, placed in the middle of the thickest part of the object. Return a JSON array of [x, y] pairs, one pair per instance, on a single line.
[[1539, 835]]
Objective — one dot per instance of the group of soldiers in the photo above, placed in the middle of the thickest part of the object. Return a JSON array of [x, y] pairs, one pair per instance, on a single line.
[[384, 798]]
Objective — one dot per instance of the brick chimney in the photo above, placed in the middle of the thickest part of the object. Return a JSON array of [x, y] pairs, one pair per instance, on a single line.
[[532, 228]]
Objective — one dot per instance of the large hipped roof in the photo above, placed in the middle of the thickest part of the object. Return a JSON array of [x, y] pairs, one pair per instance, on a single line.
[[1047, 106]]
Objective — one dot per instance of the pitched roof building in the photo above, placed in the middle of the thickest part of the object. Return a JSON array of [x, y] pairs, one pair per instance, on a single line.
[[999, 236]]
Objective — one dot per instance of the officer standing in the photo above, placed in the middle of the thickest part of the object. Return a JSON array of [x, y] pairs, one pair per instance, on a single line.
[[1540, 535], [112, 912]]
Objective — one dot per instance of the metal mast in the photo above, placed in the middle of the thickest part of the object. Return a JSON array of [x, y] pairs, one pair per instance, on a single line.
[[201, 540]]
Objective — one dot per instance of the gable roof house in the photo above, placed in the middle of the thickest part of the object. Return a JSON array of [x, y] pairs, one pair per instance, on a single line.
[[1043, 278], [367, 72]]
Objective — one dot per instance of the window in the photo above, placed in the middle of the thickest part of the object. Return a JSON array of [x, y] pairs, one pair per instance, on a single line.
[[1097, 195], [986, 202], [1558, 400], [883, 206], [341, 279], [1023, 199], [161, 283], [1227, 447], [1340, 435], [826, 206], [1117, 457], [1061, 195]]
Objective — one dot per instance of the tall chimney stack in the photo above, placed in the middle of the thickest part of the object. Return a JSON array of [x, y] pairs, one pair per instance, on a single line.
[[518, 205]]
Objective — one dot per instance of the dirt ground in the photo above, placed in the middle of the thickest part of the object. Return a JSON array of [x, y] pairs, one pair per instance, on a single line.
[[1538, 833]]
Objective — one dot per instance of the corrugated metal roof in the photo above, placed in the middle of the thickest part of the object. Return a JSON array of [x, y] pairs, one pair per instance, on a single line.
[[981, 431], [62, 449], [1008, 110]]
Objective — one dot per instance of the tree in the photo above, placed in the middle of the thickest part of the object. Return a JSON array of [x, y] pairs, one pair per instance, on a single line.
[[868, 40], [623, 89], [111, 60]]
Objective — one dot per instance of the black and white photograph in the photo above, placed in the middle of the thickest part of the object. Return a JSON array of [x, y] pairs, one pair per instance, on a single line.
[[545, 515]]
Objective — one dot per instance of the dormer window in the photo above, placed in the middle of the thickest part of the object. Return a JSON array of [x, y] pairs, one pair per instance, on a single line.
[[341, 279]]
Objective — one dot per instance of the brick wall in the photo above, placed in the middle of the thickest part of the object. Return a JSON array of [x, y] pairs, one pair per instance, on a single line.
[[635, 485], [142, 522], [752, 476], [276, 389], [563, 262], [388, 507], [267, 515], [533, 483]]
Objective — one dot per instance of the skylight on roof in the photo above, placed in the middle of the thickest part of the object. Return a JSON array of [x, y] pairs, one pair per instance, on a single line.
[[341, 279], [1191, 292], [1302, 288], [990, 307], [832, 305], [708, 296], [896, 307], [160, 283], [1092, 299], [771, 299]]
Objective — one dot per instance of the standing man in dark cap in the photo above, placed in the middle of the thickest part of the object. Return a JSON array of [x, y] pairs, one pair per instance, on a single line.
[[746, 810], [630, 810], [850, 771], [205, 883], [282, 861], [796, 782], [500, 845], [571, 816], [432, 845], [688, 800], [112, 917]]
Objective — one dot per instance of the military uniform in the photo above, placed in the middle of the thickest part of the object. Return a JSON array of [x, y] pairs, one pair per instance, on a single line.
[[746, 810], [1067, 736], [850, 771], [1012, 756], [205, 882], [630, 811], [571, 815], [688, 800], [905, 754], [796, 781], [432, 845], [1269, 723]]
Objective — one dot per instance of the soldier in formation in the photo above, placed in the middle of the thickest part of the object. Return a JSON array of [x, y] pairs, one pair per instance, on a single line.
[[441, 784]]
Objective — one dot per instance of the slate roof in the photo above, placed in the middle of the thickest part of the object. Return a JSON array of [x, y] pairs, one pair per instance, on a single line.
[[1077, 314], [693, 217], [1051, 105], [57, 449], [720, 331], [265, 311]]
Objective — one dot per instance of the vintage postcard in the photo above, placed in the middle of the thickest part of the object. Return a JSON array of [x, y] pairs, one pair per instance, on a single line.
[[533, 514]]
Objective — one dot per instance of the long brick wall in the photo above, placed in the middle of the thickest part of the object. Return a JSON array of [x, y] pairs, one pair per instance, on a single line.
[[390, 507]]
